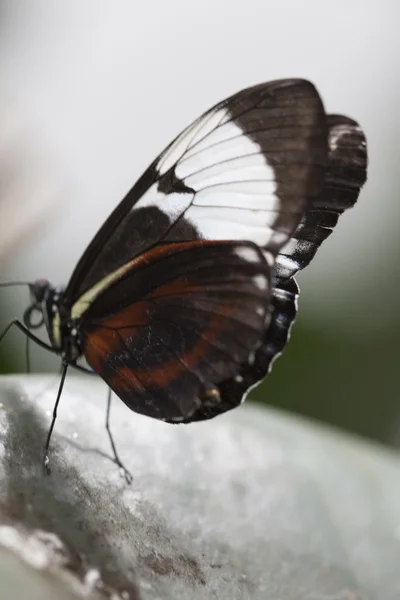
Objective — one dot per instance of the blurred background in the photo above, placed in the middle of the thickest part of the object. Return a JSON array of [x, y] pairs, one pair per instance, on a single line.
[[92, 91]]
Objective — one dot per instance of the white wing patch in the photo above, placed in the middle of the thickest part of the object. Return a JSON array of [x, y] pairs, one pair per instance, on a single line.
[[235, 158], [261, 282], [214, 153], [245, 168], [173, 205], [234, 190], [231, 223], [188, 138], [226, 131], [260, 195], [247, 254]]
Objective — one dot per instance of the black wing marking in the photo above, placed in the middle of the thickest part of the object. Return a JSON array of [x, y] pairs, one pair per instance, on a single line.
[[345, 175]]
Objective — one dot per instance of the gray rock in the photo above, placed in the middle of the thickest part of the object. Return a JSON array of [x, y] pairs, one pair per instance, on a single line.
[[251, 505]]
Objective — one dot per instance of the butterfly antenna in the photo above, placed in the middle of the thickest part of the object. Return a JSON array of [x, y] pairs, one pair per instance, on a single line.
[[14, 283]]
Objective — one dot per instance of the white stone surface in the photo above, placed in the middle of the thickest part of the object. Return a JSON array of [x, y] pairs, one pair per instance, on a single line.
[[251, 505]]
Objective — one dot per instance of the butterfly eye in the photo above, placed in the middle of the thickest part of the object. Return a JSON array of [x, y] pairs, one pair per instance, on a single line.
[[33, 317], [38, 290]]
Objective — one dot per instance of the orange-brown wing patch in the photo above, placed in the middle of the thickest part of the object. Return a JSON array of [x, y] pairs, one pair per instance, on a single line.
[[107, 339]]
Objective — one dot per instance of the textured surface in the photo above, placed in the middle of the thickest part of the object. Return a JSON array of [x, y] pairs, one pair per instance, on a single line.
[[250, 505]]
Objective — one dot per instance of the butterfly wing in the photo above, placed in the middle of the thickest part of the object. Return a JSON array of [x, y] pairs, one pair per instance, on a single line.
[[246, 169], [250, 168], [345, 175], [184, 318]]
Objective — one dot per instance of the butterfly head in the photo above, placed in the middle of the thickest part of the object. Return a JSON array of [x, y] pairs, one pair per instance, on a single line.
[[43, 308], [34, 315]]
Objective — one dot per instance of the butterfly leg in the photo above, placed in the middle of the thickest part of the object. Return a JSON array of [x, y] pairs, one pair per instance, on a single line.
[[117, 460], [46, 460], [27, 356], [28, 334]]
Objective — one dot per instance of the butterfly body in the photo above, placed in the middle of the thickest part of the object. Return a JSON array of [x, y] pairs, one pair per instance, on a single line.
[[187, 293], [47, 301]]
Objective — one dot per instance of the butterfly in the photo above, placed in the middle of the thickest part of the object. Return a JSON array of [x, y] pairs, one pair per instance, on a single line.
[[187, 293]]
